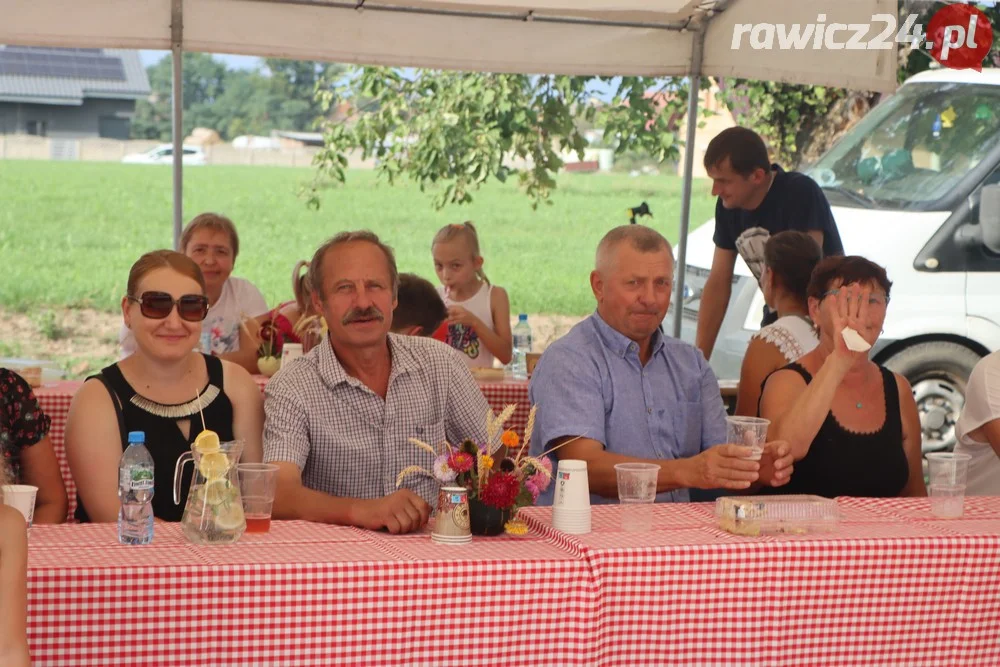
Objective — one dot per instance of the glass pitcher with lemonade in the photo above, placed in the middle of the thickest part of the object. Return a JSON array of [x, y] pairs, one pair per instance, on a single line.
[[214, 510]]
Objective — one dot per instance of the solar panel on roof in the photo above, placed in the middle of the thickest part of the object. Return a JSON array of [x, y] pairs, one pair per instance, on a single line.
[[66, 63]]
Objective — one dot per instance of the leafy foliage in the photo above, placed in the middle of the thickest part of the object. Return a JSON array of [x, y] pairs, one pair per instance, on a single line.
[[779, 112], [280, 95], [454, 131], [914, 61]]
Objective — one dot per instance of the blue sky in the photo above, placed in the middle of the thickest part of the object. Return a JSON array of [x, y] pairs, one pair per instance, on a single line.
[[234, 62]]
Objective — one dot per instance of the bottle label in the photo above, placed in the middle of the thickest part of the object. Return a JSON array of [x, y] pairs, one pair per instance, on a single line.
[[138, 478]]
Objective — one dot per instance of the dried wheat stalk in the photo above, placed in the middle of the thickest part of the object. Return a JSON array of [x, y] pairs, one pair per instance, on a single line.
[[406, 472]]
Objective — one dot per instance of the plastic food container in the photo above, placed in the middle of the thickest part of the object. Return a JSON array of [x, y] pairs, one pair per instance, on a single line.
[[777, 515]]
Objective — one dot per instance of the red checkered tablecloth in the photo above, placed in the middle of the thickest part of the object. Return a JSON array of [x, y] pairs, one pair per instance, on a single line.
[[892, 587], [305, 594], [55, 399]]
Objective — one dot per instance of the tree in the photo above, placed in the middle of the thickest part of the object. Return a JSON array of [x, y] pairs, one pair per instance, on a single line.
[[294, 86], [797, 122], [202, 83], [913, 61], [457, 130], [281, 95]]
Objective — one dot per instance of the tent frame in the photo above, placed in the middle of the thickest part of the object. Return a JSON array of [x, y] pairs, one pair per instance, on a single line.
[[698, 27]]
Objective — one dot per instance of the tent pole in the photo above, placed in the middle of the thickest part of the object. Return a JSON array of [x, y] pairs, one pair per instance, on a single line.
[[177, 112], [697, 50]]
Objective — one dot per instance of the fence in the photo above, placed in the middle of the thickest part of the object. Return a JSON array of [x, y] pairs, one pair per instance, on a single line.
[[26, 147]]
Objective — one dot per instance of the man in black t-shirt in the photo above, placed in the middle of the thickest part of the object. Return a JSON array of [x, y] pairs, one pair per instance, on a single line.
[[756, 199]]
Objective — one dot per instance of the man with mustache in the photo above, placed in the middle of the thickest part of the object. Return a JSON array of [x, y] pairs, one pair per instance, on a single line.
[[338, 420], [625, 392]]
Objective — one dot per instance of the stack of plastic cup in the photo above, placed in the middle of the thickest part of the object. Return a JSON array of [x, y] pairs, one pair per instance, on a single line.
[[948, 473], [22, 498], [571, 504]]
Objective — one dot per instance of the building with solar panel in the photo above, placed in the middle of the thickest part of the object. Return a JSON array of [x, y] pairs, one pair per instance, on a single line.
[[70, 93]]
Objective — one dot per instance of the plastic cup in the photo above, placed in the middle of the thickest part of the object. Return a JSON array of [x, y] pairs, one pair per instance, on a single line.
[[451, 523], [22, 498], [258, 483], [748, 432], [637, 490], [948, 468], [947, 500]]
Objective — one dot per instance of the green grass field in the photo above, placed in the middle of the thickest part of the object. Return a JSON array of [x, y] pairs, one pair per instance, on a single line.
[[70, 231]]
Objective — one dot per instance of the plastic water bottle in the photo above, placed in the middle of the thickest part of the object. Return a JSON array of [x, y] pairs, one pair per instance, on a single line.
[[522, 346], [135, 491]]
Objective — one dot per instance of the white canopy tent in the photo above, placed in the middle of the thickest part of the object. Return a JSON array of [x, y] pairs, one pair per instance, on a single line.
[[587, 37]]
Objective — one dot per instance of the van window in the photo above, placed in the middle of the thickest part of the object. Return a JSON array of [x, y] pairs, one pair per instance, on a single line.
[[913, 148]]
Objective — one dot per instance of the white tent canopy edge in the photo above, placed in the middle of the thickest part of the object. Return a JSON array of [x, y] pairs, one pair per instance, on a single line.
[[630, 37]]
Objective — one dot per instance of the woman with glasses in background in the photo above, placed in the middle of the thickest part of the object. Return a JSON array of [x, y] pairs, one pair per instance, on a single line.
[[162, 389], [852, 424]]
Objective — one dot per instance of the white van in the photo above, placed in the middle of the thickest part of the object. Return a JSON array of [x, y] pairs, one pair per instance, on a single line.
[[905, 186]]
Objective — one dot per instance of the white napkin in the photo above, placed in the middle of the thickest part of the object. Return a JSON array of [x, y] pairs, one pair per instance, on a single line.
[[854, 341]]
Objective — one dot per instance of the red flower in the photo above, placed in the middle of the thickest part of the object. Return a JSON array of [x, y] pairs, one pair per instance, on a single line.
[[460, 461], [501, 490]]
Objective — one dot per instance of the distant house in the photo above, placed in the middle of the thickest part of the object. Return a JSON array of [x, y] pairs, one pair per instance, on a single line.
[[70, 93]]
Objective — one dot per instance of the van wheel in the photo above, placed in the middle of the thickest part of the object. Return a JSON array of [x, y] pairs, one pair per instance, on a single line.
[[937, 371]]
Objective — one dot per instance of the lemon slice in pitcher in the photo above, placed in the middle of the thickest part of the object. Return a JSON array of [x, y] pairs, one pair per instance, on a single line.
[[217, 491], [214, 465], [229, 516], [207, 442]]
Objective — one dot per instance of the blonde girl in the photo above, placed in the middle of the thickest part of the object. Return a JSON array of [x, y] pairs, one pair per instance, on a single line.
[[478, 312]]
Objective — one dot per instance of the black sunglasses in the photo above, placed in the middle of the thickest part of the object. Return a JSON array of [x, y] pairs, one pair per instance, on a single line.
[[157, 305]]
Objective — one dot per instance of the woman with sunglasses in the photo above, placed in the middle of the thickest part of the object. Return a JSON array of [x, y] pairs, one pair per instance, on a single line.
[[236, 307], [852, 424], [163, 389]]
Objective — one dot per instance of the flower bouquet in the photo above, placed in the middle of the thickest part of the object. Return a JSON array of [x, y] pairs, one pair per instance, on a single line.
[[500, 478]]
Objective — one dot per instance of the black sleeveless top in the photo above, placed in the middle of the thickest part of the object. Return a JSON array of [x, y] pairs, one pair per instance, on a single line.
[[844, 463], [164, 439]]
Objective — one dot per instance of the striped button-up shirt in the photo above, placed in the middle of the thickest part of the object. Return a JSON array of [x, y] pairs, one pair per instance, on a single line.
[[348, 441]]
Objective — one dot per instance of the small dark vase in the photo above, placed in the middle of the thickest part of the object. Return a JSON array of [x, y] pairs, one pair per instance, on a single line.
[[486, 520]]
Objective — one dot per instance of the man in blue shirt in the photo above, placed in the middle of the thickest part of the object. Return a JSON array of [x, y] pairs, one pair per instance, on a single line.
[[634, 394]]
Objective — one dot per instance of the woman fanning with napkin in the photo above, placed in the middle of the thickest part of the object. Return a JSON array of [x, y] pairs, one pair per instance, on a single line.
[[852, 424]]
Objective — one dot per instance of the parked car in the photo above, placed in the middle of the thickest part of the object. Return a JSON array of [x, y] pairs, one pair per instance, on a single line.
[[164, 154], [905, 185]]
